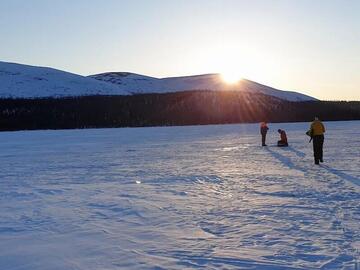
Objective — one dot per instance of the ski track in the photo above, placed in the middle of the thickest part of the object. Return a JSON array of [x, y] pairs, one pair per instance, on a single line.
[[205, 197]]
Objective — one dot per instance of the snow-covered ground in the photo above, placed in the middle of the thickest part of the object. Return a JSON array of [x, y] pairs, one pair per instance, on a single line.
[[207, 197]]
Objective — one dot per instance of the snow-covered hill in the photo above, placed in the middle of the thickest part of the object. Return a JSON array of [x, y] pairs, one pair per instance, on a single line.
[[135, 83], [23, 81]]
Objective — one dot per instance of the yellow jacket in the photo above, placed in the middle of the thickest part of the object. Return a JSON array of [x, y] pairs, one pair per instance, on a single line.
[[317, 128]]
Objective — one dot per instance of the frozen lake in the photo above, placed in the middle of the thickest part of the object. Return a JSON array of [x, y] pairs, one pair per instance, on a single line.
[[205, 197]]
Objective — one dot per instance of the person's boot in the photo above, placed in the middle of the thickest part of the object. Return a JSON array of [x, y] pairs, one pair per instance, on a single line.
[[316, 161], [321, 160]]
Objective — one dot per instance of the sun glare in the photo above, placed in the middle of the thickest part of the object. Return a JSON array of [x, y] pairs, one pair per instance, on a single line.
[[230, 77]]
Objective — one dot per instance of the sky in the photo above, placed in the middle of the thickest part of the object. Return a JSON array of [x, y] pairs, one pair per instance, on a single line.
[[308, 46]]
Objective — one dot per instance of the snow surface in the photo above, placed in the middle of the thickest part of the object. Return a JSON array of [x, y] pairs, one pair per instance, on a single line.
[[206, 197], [23, 81], [135, 83]]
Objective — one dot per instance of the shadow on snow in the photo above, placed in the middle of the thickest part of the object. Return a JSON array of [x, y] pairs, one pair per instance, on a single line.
[[289, 163]]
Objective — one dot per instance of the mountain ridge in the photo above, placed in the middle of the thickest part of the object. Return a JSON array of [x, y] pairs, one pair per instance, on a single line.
[[26, 81], [140, 84]]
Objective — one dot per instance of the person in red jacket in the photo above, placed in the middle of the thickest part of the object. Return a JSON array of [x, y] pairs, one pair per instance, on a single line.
[[283, 138], [263, 130]]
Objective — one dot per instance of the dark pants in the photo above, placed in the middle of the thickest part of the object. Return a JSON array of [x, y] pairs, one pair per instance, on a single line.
[[263, 138], [282, 143], [318, 142]]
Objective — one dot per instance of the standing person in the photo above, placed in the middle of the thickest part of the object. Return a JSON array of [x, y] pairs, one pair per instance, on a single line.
[[317, 131], [263, 130], [283, 138]]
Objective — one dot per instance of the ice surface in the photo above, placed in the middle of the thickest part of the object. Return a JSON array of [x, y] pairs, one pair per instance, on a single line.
[[206, 197]]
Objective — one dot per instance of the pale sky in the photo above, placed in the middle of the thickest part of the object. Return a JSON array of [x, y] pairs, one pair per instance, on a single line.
[[304, 45]]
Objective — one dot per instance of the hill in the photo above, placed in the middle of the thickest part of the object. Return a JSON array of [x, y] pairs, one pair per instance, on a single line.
[[24, 81], [140, 84]]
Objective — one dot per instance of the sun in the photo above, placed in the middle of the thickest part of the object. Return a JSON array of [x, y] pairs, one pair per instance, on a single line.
[[230, 77]]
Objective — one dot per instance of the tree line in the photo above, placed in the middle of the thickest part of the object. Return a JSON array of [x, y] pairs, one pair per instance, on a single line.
[[180, 108]]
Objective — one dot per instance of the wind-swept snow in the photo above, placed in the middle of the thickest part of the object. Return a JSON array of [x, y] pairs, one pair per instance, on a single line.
[[206, 197]]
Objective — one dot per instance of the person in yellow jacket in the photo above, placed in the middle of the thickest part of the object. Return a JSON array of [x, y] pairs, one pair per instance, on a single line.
[[317, 130]]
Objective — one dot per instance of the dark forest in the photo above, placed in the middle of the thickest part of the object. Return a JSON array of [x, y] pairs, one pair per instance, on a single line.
[[181, 108]]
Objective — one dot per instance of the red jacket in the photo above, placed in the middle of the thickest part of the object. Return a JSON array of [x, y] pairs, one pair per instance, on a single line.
[[283, 136]]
